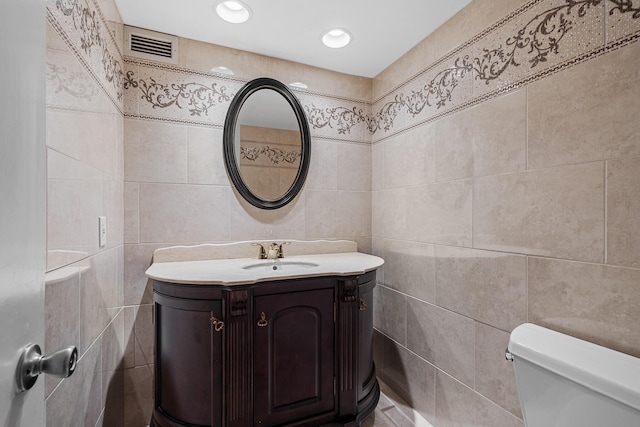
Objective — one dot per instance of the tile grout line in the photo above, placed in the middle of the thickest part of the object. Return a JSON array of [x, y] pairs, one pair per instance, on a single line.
[[606, 211]]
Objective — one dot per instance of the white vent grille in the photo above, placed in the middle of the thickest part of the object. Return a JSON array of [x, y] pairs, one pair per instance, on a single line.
[[151, 45]]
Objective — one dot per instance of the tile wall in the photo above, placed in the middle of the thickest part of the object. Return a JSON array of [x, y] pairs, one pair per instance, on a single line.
[[502, 194], [84, 283]]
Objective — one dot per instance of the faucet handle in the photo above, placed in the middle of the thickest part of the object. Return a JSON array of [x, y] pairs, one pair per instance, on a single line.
[[280, 252], [262, 254]]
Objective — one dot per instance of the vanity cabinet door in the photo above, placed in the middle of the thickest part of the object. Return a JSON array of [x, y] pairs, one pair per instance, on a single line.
[[188, 362], [293, 355]]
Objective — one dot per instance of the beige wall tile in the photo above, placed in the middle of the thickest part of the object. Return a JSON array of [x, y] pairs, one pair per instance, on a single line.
[[129, 317], [354, 167], [377, 249], [113, 347], [495, 376], [353, 213], [378, 160], [490, 287], [410, 268], [408, 65], [320, 213], [113, 208], [84, 136], [144, 336], [440, 213], [61, 166], [137, 287], [323, 169], [205, 159], [113, 414], [377, 214], [62, 321], [138, 395], [320, 79], [392, 218], [499, 134], [587, 112], [201, 56], [409, 158], [470, 143], [454, 146], [337, 214], [82, 390], [555, 212], [131, 212], [390, 312], [443, 338], [249, 223], [155, 152], [623, 212], [73, 208], [412, 378], [98, 297], [459, 406], [593, 302], [183, 213]]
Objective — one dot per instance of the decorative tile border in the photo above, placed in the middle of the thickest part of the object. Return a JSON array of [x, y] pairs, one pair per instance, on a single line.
[[177, 95], [540, 38], [82, 26], [73, 83], [273, 155], [535, 49], [196, 97]]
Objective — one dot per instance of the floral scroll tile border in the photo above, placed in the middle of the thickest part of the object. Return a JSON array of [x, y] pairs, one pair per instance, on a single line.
[[540, 38], [159, 92], [82, 26], [555, 34]]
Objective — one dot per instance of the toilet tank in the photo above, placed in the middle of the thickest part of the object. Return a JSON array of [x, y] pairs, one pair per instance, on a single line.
[[566, 382]]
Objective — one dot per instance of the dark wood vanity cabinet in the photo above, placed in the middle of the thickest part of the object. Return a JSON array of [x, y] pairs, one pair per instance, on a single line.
[[292, 352]]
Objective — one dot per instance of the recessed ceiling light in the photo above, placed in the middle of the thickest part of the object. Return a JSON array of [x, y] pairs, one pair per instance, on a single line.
[[233, 11], [299, 85], [222, 70], [336, 38]]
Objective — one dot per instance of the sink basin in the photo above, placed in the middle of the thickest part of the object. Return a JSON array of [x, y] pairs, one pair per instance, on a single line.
[[280, 265]]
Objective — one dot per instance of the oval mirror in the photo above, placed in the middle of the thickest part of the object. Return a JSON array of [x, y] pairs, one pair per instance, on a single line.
[[267, 146]]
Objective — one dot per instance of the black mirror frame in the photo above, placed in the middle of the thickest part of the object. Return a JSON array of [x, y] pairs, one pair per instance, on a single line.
[[229, 142]]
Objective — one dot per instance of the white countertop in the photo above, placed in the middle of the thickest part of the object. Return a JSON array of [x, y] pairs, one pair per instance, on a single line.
[[231, 272]]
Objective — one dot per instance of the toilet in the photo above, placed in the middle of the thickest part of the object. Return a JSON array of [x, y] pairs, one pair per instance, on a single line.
[[566, 382]]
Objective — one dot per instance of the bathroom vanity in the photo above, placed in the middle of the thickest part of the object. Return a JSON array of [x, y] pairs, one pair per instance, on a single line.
[[248, 342]]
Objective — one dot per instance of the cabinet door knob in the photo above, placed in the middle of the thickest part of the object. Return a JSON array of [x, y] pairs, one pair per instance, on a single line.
[[217, 324], [263, 321], [363, 305]]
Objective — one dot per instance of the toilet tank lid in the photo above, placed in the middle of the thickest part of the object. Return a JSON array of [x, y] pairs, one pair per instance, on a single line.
[[614, 374]]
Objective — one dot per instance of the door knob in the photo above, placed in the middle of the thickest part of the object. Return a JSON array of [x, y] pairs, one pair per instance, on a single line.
[[32, 363]]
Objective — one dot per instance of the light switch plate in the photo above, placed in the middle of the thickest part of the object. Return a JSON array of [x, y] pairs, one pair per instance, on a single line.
[[102, 230]]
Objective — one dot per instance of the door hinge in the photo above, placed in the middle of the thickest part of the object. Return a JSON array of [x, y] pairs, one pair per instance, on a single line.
[[335, 386]]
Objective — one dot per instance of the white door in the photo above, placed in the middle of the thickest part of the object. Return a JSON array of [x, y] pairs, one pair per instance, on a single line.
[[22, 202]]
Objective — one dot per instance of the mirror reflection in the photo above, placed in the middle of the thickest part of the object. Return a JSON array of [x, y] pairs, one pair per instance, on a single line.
[[268, 144]]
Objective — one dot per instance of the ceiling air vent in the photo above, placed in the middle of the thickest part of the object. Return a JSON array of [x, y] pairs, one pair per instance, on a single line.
[[151, 45]]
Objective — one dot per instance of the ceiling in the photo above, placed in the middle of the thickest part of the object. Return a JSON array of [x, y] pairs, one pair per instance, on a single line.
[[382, 30]]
